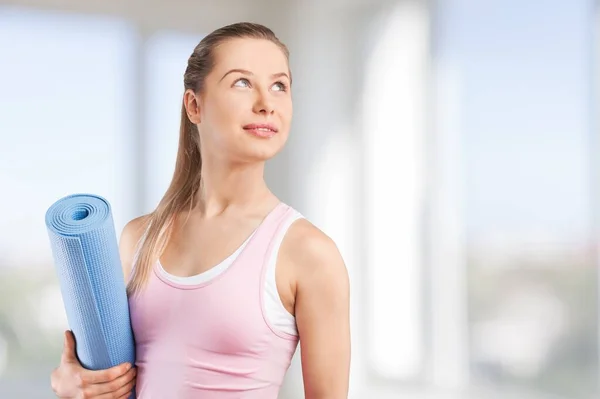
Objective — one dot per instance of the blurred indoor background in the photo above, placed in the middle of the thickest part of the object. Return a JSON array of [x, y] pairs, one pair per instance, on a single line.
[[449, 147]]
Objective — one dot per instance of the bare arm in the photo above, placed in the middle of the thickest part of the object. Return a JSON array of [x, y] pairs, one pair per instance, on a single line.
[[322, 315]]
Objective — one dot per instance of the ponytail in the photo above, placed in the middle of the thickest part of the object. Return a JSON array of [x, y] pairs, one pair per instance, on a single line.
[[180, 195]]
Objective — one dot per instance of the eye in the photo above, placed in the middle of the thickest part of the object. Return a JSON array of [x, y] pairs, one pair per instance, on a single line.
[[245, 82], [282, 86]]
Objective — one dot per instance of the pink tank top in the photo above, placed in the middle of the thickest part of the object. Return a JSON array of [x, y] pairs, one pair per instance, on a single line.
[[212, 340]]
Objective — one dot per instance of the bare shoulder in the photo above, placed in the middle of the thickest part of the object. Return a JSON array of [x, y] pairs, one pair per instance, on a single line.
[[130, 236], [314, 255], [322, 311]]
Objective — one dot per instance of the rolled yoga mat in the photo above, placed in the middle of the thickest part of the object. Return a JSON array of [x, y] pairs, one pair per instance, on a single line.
[[86, 257]]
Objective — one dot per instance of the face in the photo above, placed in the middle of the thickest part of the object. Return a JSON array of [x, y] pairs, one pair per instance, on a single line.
[[245, 110]]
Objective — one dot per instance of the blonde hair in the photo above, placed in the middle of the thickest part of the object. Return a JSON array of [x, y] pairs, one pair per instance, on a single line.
[[185, 183]]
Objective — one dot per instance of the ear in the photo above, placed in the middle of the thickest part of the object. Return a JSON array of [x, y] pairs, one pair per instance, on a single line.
[[192, 106]]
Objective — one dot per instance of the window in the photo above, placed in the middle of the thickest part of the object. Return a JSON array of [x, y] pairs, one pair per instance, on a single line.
[[66, 126], [166, 56], [70, 86], [481, 221], [521, 81]]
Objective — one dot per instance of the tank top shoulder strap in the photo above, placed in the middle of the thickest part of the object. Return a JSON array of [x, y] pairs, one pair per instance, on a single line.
[[256, 252]]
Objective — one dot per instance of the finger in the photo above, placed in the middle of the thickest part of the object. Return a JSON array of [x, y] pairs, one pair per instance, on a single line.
[[102, 376], [122, 392], [115, 385], [126, 391], [69, 354]]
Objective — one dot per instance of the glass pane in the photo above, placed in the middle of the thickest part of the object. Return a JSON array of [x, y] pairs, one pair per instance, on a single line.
[[166, 57], [65, 124], [525, 114]]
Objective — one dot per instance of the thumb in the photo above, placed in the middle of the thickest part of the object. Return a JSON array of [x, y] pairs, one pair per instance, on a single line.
[[68, 354]]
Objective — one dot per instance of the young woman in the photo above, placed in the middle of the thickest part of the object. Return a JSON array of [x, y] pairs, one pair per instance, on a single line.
[[223, 278]]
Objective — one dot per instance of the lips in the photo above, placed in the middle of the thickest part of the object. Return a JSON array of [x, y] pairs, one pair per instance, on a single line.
[[264, 130], [265, 127]]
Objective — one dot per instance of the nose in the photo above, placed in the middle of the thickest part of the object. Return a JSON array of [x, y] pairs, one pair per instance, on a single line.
[[263, 104]]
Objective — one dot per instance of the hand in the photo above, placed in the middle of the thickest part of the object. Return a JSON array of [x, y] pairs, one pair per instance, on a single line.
[[70, 380]]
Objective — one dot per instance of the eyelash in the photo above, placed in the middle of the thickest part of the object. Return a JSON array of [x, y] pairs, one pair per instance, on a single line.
[[284, 87]]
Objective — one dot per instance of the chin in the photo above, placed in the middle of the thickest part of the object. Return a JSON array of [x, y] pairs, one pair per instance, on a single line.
[[264, 149], [264, 154]]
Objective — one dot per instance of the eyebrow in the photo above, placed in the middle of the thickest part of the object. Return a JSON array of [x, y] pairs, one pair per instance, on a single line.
[[245, 72]]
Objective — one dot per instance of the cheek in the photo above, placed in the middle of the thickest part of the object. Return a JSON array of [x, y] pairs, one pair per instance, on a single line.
[[286, 111], [225, 109], [235, 104]]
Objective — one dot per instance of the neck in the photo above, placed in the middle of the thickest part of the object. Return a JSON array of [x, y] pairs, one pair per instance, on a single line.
[[224, 186]]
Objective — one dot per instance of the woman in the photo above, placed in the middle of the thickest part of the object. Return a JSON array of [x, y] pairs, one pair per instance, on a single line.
[[223, 278]]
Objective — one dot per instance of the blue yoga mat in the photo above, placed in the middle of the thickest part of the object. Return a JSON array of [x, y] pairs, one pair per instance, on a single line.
[[86, 257]]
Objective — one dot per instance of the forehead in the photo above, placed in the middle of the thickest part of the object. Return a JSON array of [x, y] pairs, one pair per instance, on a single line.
[[255, 55]]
